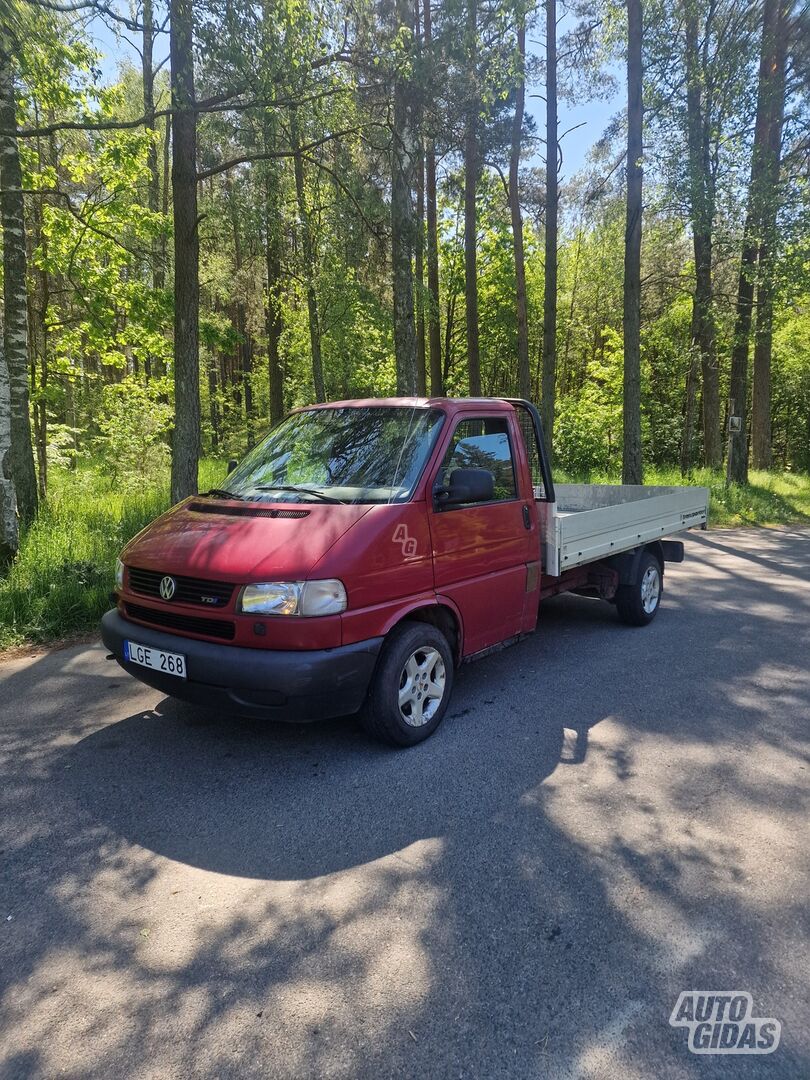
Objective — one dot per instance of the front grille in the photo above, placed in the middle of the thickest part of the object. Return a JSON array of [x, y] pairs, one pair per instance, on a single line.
[[217, 628], [187, 590]]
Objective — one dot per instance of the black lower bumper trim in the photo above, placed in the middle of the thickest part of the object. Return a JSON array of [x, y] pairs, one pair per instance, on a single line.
[[295, 686]]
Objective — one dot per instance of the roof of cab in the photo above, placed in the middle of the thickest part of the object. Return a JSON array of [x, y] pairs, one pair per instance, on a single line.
[[408, 403]]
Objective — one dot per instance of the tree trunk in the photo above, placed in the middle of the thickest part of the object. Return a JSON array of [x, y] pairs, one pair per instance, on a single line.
[[153, 183], [274, 325], [449, 325], [247, 381], [213, 402], [39, 302], [244, 341], [40, 362], [549, 348], [701, 191], [148, 75], [419, 262], [760, 194], [19, 457], [431, 213], [566, 380], [403, 223], [737, 464], [631, 455], [186, 442], [471, 169], [164, 209], [763, 338], [419, 248], [308, 248], [690, 408], [763, 347], [523, 372], [9, 530]]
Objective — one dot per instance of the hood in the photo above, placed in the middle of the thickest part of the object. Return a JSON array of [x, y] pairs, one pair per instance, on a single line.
[[241, 542]]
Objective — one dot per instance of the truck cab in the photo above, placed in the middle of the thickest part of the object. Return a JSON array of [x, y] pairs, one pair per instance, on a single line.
[[358, 555]]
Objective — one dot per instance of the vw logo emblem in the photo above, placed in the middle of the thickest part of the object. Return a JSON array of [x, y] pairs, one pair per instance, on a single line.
[[167, 587]]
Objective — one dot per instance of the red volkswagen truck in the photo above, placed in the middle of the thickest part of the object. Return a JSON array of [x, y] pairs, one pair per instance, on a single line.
[[365, 549]]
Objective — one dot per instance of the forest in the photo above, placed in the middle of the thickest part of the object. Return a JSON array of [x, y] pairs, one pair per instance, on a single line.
[[259, 205]]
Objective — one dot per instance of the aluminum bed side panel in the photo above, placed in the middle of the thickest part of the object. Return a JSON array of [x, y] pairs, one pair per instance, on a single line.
[[589, 535], [573, 537]]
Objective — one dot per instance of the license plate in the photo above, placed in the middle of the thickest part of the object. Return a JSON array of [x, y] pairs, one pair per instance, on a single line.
[[168, 662]]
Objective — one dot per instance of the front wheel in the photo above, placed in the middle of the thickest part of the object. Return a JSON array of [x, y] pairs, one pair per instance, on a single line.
[[637, 604], [411, 687]]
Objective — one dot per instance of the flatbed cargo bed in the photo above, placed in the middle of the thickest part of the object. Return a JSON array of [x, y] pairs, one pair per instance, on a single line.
[[589, 522]]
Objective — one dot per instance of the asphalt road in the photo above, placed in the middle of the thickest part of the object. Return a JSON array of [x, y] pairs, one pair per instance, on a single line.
[[607, 817]]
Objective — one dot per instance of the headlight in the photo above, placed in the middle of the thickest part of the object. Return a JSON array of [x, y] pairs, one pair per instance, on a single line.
[[323, 597], [119, 575], [271, 598], [294, 598]]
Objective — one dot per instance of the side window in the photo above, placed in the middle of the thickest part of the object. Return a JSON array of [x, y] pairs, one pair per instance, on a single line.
[[482, 444], [530, 442]]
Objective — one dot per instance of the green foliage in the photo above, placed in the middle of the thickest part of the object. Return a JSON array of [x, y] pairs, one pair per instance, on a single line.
[[588, 427], [585, 437], [133, 427], [101, 259], [791, 385], [62, 453], [96, 242], [61, 580]]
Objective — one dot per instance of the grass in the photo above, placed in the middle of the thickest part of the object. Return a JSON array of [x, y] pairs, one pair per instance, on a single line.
[[769, 498], [60, 582]]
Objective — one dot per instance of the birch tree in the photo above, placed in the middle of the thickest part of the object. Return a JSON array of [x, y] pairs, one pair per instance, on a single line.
[[18, 472], [9, 532]]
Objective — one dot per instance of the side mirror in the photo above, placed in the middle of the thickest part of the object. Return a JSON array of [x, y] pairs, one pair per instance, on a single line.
[[467, 486], [232, 465]]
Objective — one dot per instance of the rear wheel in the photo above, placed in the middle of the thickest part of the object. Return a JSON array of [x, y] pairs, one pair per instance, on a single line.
[[637, 604], [411, 687]]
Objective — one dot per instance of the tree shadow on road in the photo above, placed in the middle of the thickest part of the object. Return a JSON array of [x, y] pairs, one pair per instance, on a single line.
[[202, 895]]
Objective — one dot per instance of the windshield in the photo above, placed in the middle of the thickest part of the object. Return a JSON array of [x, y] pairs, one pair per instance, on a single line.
[[352, 455]]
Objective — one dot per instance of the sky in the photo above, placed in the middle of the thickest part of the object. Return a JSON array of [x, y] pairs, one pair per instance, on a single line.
[[587, 121], [584, 124]]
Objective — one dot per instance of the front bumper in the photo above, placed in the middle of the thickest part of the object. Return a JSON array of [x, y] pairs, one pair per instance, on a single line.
[[292, 685]]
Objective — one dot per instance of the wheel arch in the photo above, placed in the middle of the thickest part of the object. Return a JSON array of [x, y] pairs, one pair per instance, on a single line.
[[628, 562], [656, 548], [441, 615]]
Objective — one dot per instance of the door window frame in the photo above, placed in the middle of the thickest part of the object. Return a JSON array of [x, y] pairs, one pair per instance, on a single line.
[[438, 508]]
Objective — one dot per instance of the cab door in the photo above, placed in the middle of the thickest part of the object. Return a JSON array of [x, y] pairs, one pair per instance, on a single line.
[[481, 550]]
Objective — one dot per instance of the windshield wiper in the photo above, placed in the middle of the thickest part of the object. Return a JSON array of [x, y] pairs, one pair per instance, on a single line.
[[300, 491], [221, 493]]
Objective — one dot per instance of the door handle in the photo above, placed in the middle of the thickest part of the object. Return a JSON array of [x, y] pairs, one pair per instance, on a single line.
[[527, 520]]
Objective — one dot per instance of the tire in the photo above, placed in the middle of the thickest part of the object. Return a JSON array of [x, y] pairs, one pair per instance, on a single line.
[[638, 604], [411, 686]]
